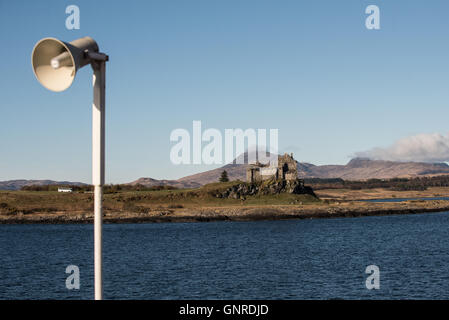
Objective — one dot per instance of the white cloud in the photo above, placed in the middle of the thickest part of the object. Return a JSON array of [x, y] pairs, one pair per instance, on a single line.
[[425, 147]]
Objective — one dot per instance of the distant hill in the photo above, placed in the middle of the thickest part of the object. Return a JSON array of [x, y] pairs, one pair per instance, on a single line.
[[149, 182], [235, 172], [363, 169], [356, 169], [17, 184]]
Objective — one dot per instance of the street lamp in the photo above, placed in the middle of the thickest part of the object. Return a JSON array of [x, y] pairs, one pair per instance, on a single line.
[[55, 64]]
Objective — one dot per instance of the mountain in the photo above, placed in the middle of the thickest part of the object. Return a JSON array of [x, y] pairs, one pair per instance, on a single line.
[[149, 182], [17, 184], [364, 169], [356, 169], [235, 172]]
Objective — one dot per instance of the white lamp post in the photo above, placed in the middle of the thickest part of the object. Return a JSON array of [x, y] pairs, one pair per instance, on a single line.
[[55, 64]]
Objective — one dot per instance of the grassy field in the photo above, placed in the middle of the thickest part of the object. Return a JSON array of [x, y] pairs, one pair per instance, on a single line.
[[27, 202], [202, 205], [379, 193]]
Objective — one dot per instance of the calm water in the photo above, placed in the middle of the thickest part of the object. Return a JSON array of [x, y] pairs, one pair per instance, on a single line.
[[297, 259]]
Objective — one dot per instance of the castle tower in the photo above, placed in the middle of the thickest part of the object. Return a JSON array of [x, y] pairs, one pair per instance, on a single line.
[[287, 167]]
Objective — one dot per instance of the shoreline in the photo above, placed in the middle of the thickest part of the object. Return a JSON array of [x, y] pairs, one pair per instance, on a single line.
[[238, 213]]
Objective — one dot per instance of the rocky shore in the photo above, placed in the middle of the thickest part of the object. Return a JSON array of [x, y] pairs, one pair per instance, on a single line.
[[237, 213]]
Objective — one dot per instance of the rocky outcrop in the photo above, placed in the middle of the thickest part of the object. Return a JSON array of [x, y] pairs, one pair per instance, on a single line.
[[243, 190]]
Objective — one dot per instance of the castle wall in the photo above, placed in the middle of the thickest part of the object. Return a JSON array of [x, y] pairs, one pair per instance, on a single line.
[[286, 169], [253, 175], [249, 175], [288, 162], [268, 172]]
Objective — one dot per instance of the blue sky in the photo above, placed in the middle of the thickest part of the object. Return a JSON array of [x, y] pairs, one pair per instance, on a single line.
[[308, 68]]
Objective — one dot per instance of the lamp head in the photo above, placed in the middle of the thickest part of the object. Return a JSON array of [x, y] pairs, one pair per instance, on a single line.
[[55, 62]]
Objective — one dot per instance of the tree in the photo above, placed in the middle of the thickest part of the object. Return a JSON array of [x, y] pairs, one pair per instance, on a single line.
[[224, 177]]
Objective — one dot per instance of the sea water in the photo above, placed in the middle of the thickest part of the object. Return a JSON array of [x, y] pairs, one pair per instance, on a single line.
[[294, 259]]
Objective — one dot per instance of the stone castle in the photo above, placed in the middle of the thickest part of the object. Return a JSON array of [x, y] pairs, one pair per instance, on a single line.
[[286, 169]]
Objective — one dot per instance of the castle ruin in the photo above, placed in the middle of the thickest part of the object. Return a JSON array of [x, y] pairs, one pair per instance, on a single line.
[[286, 169]]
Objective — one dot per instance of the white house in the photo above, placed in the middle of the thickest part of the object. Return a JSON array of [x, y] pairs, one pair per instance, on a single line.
[[65, 190]]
